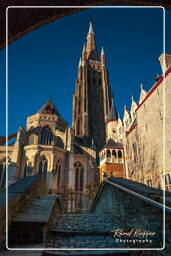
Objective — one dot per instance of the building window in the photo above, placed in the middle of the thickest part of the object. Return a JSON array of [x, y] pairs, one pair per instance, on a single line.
[[108, 153], [78, 127], [119, 156], [114, 153], [45, 136], [58, 172], [43, 165], [149, 182], [79, 107], [79, 176], [167, 181]]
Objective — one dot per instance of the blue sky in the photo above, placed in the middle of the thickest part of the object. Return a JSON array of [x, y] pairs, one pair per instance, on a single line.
[[44, 63]]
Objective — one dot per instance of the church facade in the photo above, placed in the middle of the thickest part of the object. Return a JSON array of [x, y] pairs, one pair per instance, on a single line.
[[99, 144]]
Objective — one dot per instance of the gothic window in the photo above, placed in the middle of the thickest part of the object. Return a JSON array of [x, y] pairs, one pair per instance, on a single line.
[[78, 127], [79, 176], [108, 153], [46, 136], [43, 164], [58, 172]]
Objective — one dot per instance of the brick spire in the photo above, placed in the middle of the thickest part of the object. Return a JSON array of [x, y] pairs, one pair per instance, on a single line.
[[91, 45]]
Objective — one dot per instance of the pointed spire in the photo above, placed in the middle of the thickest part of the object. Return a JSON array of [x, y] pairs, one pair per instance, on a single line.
[[91, 49], [102, 51], [83, 48], [79, 62], [132, 97], [91, 29], [113, 114], [142, 87]]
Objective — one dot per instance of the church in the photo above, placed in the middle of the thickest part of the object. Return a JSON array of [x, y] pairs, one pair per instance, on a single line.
[[99, 144], [66, 156]]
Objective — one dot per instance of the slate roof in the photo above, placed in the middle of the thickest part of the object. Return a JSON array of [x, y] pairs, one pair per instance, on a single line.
[[39, 210], [51, 104], [17, 189], [112, 144], [137, 187]]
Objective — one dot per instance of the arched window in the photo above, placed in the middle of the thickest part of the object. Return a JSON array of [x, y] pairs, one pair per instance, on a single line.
[[119, 154], [43, 164], [78, 127], [108, 153], [58, 172], [79, 176], [46, 136], [114, 153]]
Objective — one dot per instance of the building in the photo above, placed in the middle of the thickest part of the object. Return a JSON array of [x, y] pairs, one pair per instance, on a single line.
[[66, 156], [145, 132], [99, 144]]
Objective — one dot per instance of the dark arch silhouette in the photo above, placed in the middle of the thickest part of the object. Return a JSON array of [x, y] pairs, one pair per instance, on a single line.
[[25, 20]]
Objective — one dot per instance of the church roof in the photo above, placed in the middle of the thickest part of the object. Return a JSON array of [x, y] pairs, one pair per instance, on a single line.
[[112, 144], [48, 108]]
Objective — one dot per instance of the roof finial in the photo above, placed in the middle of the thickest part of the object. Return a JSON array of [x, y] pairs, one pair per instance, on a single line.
[[102, 51], [132, 97]]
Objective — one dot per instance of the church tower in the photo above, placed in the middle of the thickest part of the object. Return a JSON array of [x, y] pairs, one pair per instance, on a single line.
[[92, 97]]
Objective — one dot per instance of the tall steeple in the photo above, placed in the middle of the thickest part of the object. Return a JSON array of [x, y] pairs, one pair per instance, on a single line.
[[113, 114], [91, 44], [92, 97], [102, 57]]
